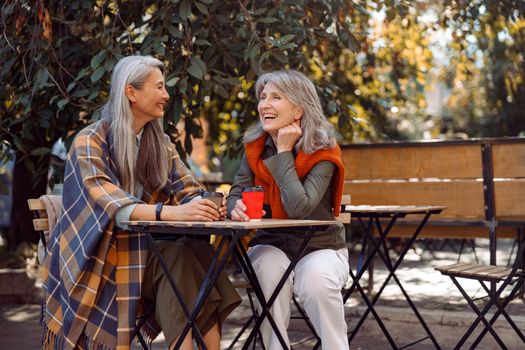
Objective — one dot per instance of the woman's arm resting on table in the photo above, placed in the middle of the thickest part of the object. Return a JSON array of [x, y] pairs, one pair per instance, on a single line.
[[196, 210]]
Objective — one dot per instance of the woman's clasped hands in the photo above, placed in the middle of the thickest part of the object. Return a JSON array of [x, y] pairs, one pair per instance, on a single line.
[[198, 209]]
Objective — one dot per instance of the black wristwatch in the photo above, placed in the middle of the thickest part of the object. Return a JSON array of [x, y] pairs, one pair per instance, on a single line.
[[158, 209]]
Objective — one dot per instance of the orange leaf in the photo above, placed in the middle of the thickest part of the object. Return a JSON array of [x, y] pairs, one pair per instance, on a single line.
[[45, 19]]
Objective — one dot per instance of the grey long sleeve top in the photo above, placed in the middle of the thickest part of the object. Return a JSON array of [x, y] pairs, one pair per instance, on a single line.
[[309, 199]]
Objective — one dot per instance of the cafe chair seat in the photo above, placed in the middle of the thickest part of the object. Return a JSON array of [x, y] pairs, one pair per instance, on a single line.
[[494, 280]]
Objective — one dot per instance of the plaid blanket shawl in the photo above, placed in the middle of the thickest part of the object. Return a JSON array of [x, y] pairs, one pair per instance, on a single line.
[[93, 272]]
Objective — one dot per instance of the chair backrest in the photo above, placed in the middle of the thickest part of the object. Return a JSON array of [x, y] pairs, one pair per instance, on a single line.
[[345, 217], [46, 211]]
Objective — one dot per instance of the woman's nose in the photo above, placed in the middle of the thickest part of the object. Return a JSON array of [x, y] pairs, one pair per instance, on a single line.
[[264, 103]]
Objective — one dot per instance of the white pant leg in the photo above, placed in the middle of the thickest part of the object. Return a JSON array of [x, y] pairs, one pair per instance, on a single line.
[[269, 264], [319, 278]]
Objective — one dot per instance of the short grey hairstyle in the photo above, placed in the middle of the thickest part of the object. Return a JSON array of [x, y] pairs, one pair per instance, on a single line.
[[149, 171], [318, 133]]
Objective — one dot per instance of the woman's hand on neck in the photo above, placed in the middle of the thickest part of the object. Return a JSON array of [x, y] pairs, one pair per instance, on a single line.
[[287, 137]]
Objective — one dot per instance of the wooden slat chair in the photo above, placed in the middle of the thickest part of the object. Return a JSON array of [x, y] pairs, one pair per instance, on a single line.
[[485, 275], [343, 218], [46, 211]]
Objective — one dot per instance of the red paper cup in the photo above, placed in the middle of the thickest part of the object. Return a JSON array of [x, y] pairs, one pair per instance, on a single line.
[[253, 198]]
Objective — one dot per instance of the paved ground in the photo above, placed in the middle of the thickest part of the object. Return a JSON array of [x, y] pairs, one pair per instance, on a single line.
[[438, 300]]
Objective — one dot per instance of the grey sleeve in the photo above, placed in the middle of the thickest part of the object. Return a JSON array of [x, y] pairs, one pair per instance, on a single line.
[[124, 214], [244, 177], [299, 199]]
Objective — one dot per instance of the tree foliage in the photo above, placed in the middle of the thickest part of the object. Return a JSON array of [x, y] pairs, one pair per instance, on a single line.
[[487, 70], [371, 62]]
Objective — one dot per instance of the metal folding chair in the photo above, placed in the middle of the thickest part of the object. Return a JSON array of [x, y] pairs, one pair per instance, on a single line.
[[486, 275]]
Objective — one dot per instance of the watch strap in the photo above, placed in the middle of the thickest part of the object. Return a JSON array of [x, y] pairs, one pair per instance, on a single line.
[[158, 209]]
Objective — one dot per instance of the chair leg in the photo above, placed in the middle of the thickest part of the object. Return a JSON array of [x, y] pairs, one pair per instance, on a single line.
[[480, 314], [501, 311]]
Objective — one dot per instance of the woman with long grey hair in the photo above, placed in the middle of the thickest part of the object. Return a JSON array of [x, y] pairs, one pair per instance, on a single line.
[[98, 277], [292, 154]]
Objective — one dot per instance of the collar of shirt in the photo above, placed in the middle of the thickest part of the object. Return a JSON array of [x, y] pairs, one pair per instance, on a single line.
[[270, 149]]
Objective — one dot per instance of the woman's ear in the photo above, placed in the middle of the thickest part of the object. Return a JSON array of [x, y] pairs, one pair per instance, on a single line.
[[130, 93], [298, 114]]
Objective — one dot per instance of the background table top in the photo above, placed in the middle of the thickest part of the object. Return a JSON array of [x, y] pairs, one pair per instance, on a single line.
[[407, 209]]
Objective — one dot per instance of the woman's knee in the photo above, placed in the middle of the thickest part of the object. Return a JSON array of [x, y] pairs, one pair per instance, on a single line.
[[316, 283], [269, 264]]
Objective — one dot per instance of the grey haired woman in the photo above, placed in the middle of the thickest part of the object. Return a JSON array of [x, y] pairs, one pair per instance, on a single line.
[[97, 275], [292, 154]]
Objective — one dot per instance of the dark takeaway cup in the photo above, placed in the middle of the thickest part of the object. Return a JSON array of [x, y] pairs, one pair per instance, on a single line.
[[215, 197], [253, 198]]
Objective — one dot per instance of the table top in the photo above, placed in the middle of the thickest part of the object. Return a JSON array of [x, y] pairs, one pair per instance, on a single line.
[[230, 224], [385, 209]]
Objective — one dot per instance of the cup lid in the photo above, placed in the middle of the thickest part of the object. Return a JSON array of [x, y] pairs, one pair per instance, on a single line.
[[211, 194], [253, 189]]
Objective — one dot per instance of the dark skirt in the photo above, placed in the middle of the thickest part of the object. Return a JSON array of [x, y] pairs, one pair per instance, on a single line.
[[188, 260]]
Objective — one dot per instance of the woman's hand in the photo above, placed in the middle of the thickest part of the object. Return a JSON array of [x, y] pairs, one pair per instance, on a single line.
[[287, 137], [239, 212], [196, 210], [222, 209]]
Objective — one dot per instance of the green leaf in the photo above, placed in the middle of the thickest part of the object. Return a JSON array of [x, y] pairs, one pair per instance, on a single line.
[[185, 9], [197, 68], [183, 86], [97, 74], [97, 59], [82, 73], [41, 77], [202, 8], [279, 56], [253, 51], [195, 71], [267, 20], [286, 38], [81, 93], [172, 81], [332, 107], [62, 103], [199, 62], [202, 42], [288, 46], [93, 95], [71, 86]]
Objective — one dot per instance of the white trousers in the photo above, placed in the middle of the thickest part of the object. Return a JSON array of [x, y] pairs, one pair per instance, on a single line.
[[317, 280]]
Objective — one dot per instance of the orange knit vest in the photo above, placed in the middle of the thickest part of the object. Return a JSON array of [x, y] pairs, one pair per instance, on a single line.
[[303, 164]]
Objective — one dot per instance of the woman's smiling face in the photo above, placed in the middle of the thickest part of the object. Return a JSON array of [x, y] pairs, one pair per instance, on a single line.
[[276, 110]]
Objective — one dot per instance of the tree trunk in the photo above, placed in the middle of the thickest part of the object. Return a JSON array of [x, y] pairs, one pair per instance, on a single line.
[[24, 187]]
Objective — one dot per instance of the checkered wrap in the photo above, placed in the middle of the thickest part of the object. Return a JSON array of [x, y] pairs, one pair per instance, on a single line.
[[93, 272]]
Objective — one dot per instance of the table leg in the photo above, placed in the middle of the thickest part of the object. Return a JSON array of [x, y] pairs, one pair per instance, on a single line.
[[371, 254], [359, 274], [216, 267], [250, 274], [374, 313], [377, 244], [392, 268]]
